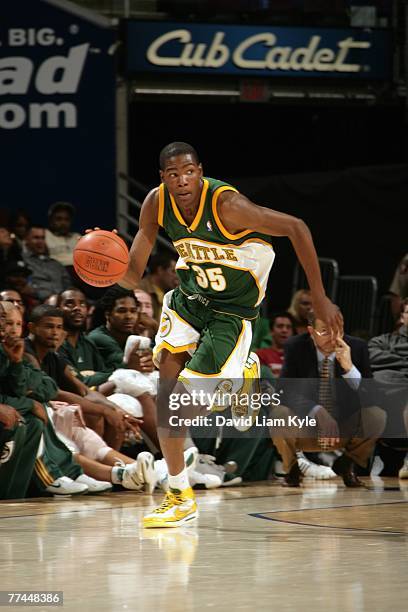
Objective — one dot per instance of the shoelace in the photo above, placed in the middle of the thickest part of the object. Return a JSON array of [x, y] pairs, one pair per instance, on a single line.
[[170, 500]]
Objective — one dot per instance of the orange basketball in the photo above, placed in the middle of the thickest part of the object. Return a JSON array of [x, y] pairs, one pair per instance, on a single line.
[[101, 258]]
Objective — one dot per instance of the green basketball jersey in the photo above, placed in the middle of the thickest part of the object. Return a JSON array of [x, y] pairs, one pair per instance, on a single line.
[[230, 270]]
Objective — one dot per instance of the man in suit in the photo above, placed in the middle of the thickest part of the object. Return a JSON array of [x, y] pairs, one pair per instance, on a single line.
[[343, 417]]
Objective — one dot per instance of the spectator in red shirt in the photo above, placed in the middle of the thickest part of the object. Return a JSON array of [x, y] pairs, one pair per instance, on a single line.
[[282, 327]]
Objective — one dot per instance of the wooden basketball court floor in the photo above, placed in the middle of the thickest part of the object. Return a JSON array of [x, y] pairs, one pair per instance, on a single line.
[[256, 547]]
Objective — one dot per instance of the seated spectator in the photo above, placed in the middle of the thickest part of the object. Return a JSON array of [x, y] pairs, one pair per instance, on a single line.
[[13, 297], [14, 320], [60, 239], [9, 295], [282, 327], [299, 308], [389, 363], [161, 278], [16, 278], [48, 276], [9, 249], [399, 286], [146, 325], [46, 335], [9, 252], [326, 361], [122, 314], [97, 459], [133, 473], [19, 225], [27, 389], [19, 437]]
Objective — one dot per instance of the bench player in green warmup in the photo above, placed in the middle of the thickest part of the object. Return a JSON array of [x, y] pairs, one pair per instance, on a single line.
[[225, 255]]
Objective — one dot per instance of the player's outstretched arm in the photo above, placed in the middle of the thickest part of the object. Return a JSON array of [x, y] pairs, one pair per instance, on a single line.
[[238, 213], [143, 242]]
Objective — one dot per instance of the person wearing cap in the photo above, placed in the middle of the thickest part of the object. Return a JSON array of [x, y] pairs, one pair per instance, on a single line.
[[59, 238]]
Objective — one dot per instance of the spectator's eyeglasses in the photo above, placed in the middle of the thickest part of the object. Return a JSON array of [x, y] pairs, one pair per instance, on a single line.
[[20, 302], [321, 334]]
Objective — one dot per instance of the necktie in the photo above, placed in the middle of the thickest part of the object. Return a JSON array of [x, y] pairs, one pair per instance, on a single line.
[[325, 399]]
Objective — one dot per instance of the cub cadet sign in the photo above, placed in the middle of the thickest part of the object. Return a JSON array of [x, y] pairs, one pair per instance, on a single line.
[[217, 54], [56, 75], [266, 51]]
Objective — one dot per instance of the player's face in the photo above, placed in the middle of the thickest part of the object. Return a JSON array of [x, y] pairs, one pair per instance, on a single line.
[[75, 309], [49, 331], [182, 177], [282, 330], [124, 316]]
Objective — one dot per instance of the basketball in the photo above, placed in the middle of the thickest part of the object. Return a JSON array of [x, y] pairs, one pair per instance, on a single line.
[[101, 258]]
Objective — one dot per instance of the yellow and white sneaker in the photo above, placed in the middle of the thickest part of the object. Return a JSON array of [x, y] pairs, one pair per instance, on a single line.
[[177, 508]]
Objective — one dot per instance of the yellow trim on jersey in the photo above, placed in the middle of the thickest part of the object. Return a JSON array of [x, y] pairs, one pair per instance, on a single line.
[[223, 367], [160, 215], [176, 211], [172, 349], [218, 221], [199, 212]]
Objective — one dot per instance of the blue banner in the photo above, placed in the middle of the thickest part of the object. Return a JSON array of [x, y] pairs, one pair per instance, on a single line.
[[57, 110], [260, 51]]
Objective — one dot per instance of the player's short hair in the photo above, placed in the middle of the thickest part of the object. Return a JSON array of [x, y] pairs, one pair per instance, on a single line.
[[174, 149], [45, 310]]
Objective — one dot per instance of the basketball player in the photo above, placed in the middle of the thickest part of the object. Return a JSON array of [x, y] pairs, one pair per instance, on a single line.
[[225, 254]]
